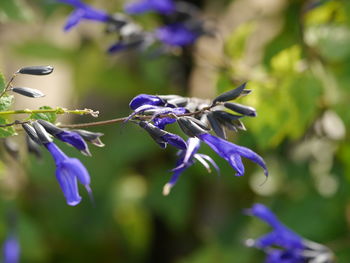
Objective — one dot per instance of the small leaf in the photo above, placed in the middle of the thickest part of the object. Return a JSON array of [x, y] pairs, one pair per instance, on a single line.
[[6, 102], [28, 92], [2, 82], [6, 131], [50, 116], [36, 70]]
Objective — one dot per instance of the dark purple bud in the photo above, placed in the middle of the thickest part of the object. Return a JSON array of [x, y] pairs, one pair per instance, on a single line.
[[92, 137], [230, 95], [43, 136], [163, 137], [31, 132], [75, 140], [230, 121], [28, 92], [36, 70], [242, 109], [189, 127], [154, 132], [217, 126], [49, 127]]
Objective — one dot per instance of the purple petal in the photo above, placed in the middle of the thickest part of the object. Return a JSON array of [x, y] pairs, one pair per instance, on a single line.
[[55, 152], [162, 122], [11, 250], [138, 7], [232, 152], [265, 214], [176, 35], [145, 99], [68, 184], [163, 6], [73, 19], [160, 6], [175, 140], [75, 140]]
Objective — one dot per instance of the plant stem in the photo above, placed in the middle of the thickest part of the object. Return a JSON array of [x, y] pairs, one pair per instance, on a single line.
[[140, 117], [57, 111], [8, 85]]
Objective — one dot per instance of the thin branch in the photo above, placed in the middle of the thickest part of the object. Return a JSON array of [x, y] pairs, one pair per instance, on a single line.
[[8, 85], [138, 117]]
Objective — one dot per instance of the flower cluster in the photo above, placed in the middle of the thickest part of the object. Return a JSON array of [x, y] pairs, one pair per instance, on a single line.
[[282, 245], [196, 118], [183, 24], [68, 170]]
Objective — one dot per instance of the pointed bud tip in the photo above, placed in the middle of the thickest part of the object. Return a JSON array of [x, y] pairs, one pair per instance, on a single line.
[[166, 189]]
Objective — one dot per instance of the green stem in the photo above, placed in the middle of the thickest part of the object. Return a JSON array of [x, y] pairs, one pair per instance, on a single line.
[[57, 111]]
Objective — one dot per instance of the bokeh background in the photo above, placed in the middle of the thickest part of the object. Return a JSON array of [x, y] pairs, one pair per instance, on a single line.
[[295, 56]]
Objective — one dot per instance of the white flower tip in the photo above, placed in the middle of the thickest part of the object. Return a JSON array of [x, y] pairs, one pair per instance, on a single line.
[[166, 189], [86, 152], [250, 242]]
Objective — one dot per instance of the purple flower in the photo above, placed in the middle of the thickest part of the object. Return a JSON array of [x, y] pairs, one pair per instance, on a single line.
[[187, 158], [177, 35], [145, 99], [11, 250], [232, 153], [83, 11], [280, 236], [282, 245], [160, 6], [68, 172]]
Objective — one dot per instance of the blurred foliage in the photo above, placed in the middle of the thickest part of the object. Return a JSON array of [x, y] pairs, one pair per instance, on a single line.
[[300, 90]]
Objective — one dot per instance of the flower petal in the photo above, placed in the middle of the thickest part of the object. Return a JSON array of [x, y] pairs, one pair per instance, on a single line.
[[68, 184]]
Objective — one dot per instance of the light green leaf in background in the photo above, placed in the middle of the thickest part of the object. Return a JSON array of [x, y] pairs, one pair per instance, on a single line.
[[14, 10], [6, 131], [2, 82], [6, 102], [50, 117]]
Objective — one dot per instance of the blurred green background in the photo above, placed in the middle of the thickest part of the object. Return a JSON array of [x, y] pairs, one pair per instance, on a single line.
[[295, 56]]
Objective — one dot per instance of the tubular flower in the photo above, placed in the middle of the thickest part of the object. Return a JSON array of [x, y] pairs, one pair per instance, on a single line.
[[282, 245], [160, 6], [68, 172], [83, 12], [187, 158], [11, 250], [232, 153]]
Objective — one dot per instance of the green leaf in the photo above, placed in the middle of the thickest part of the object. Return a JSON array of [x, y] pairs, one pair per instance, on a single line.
[[331, 41], [6, 102], [6, 131], [14, 10], [2, 82], [50, 116]]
